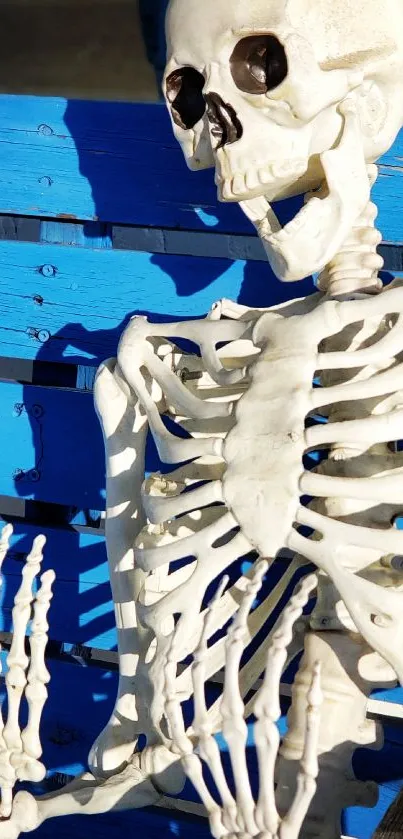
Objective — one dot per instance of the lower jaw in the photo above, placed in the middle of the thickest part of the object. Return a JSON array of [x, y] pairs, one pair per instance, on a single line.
[[313, 238], [306, 243]]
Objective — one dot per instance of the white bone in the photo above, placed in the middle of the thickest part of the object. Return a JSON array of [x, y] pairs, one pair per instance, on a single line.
[[338, 108], [267, 711], [242, 815], [124, 431], [160, 508], [376, 611], [280, 333], [387, 489], [17, 660], [223, 611], [20, 750], [383, 383], [277, 332], [38, 676], [386, 348], [370, 430]]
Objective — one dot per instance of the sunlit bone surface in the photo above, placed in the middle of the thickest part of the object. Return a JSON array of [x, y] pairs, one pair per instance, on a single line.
[[254, 88], [239, 815]]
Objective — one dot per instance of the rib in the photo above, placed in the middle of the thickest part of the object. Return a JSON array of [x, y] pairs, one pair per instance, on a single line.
[[379, 385], [382, 489], [384, 349], [159, 508], [370, 430]]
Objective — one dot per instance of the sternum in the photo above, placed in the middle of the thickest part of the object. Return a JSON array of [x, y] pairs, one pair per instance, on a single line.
[[264, 451]]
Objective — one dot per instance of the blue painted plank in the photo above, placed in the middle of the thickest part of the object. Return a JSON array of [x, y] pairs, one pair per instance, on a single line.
[[78, 557], [52, 447], [73, 717], [82, 608], [144, 824], [71, 303], [362, 822], [119, 163], [81, 613]]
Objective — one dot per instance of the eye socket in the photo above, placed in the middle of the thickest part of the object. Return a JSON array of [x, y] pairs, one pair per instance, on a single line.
[[184, 91], [258, 64]]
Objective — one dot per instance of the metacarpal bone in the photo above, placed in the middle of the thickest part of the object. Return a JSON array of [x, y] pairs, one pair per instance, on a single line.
[[241, 815]]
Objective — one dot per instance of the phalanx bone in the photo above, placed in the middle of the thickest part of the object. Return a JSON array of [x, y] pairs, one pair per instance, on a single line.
[[26, 676], [239, 814]]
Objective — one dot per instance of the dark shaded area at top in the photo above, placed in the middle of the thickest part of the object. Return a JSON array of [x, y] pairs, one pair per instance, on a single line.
[[152, 14]]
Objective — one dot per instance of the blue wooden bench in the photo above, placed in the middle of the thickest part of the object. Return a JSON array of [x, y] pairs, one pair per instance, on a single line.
[[100, 219]]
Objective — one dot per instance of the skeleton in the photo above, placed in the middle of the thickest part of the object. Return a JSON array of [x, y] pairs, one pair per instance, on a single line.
[[282, 99]]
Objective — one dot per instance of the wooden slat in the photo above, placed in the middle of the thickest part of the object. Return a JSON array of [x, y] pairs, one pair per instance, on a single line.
[[222, 245], [52, 448], [120, 163], [71, 303], [79, 558], [82, 607], [156, 240], [81, 613]]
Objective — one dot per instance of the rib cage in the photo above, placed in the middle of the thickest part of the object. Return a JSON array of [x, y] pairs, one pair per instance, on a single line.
[[242, 490]]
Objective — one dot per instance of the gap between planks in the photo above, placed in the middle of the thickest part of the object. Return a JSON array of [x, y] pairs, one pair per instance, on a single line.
[[377, 709], [231, 246]]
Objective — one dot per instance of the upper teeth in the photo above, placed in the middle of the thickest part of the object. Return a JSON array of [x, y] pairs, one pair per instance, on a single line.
[[243, 183]]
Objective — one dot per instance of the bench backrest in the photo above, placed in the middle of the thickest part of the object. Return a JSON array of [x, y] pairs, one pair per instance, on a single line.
[[100, 219]]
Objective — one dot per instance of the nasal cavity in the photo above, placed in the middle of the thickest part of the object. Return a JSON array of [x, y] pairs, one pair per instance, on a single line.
[[225, 125]]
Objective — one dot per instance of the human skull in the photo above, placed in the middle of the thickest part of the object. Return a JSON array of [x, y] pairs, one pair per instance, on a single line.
[[283, 97]]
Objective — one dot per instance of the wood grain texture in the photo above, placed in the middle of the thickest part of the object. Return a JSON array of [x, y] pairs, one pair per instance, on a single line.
[[64, 302], [52, 447], [71, 303], [82, 607], [119, 163]]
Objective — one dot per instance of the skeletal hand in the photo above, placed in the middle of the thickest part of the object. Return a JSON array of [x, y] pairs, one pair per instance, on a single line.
[[20, 750], [241, 816]]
